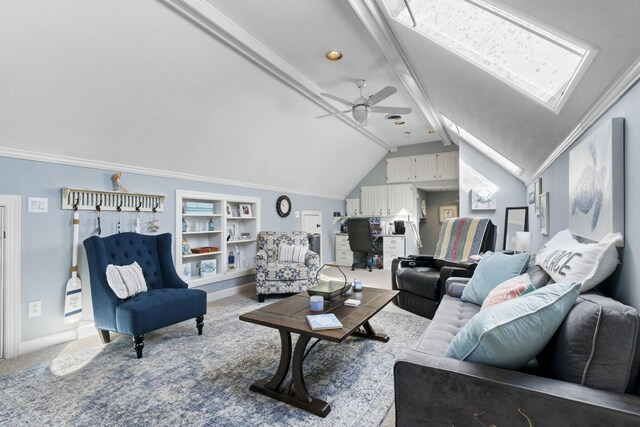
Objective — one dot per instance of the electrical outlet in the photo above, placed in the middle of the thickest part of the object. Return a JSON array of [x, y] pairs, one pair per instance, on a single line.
[[35, 308]]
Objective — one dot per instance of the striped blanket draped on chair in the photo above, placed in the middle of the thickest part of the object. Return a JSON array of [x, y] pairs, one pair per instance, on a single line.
[[460, 238]]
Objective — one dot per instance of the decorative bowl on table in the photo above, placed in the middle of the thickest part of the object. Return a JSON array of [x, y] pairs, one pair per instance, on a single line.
[[329, 287]]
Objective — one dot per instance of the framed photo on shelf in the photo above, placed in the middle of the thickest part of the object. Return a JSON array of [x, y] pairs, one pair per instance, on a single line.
[[229, 213], [447, 210], [245, 236], [245, 209]]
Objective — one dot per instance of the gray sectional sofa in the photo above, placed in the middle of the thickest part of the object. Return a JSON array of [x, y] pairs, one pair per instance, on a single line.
[[585, 376]]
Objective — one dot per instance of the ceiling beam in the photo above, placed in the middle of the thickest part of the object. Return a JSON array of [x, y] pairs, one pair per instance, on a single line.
[[210, 19], [375, 22]]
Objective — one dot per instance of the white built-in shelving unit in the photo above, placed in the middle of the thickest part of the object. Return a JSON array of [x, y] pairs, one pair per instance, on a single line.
[[233, 228]]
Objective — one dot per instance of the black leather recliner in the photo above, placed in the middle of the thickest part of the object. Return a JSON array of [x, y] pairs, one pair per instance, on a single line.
[[420, 278]]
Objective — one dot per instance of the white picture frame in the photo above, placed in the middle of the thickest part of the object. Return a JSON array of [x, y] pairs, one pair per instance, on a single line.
[[544, 214], [538, 193], [245, 210], [483, 199]]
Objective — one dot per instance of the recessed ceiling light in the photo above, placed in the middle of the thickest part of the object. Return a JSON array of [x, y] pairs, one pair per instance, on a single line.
[[432, 131], [334, 55], [393, 117], [399, 122]]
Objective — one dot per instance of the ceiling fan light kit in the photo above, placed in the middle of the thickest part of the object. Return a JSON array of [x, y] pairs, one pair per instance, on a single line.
[[362, 107]]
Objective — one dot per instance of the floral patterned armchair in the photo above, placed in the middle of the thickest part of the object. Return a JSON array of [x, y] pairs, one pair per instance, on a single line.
[[279, 277]]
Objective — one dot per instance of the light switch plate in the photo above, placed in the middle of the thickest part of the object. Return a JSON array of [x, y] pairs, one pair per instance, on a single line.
[[38, 205]]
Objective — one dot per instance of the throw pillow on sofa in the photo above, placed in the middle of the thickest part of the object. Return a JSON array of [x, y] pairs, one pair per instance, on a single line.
[[508, 290], [493, 269], [566, 259], [510, 334]]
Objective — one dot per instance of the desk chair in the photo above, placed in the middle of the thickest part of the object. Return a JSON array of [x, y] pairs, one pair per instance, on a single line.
[[361, 240]]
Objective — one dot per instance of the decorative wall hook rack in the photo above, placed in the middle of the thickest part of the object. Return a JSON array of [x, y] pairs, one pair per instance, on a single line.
[[88, 200]]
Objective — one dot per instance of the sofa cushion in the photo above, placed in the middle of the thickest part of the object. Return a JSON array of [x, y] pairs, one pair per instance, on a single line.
[[286, 271], [451, 316], [566, 259], [510, 334], [493, 269], [595, 345], [422, 281], [158, 308], [508, 290]]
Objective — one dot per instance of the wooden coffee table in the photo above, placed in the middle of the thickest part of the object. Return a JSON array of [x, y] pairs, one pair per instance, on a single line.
[[290, 315]]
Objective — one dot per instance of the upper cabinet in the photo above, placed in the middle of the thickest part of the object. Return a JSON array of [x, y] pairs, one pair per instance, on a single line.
[[427, 167], [353, 207], [373, 200], [447, 165], [387, 200], [399, 170]]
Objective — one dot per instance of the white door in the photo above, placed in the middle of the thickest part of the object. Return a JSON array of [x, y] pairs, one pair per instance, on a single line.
[[380, 206], [353, 207], [312, 223], [448, 165], [1, 282], [398, 169], [425, 167], [367, 200]]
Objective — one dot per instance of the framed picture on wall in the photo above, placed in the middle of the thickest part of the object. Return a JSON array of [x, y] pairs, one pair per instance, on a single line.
[[544, 214], [538, 193], [447, 210]]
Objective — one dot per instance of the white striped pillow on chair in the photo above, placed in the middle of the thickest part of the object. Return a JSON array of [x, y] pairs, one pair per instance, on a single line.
[[291, 253]]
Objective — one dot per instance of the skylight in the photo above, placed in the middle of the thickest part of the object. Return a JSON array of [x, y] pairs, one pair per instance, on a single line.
[[539, 62], [482, 147]]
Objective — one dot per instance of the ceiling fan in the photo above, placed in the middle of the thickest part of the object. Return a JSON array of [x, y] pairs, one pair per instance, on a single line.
[[362, 107]]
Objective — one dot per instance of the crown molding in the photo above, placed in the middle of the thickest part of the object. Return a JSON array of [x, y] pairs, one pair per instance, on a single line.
[[601, 106], [375, 22], [108, 166], [210, 19]]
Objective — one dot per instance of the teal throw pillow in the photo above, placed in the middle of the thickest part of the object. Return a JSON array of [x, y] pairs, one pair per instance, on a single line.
[[510, 334], [493, 269]]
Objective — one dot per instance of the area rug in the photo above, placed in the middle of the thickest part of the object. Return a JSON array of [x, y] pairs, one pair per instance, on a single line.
[[185, 379]]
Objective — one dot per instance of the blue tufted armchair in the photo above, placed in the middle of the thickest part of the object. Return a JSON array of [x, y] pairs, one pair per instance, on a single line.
[[167, 300]]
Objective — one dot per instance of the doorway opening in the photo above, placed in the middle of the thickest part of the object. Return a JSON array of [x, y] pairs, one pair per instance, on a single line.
[[312, 224]]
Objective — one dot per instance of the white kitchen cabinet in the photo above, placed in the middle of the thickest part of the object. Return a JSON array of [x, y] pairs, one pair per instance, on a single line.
[[373, 200], [399, 170], [353, 207], [425, 167], [392, 247], [447, 165], [400, 200]]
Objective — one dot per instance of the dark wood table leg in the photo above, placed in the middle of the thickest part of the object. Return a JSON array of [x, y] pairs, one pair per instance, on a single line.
[[298, 396], [370, 333]]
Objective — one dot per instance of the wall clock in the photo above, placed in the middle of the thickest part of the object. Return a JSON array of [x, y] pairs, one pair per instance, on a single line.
[[283, 206]]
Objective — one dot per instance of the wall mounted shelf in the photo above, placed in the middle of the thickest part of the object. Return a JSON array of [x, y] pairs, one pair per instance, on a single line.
[[88, 200]]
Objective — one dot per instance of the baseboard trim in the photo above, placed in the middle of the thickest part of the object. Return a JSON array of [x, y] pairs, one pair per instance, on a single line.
[[47, 341], [236, 290]]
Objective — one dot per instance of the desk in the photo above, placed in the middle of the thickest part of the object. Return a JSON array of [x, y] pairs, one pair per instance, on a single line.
[[393, 246]]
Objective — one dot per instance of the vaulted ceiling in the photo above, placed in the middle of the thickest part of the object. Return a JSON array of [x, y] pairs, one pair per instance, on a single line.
[[228, 90]]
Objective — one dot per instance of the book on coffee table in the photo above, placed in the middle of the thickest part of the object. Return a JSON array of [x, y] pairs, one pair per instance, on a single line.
[[319, 322]]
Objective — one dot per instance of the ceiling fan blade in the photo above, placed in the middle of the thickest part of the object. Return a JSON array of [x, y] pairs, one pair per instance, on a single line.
[[333, 114], [391, 110], [382, 94], [335, 98]]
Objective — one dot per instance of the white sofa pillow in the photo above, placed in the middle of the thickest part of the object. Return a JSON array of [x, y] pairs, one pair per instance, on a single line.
[[126, 280], [567, 260]]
